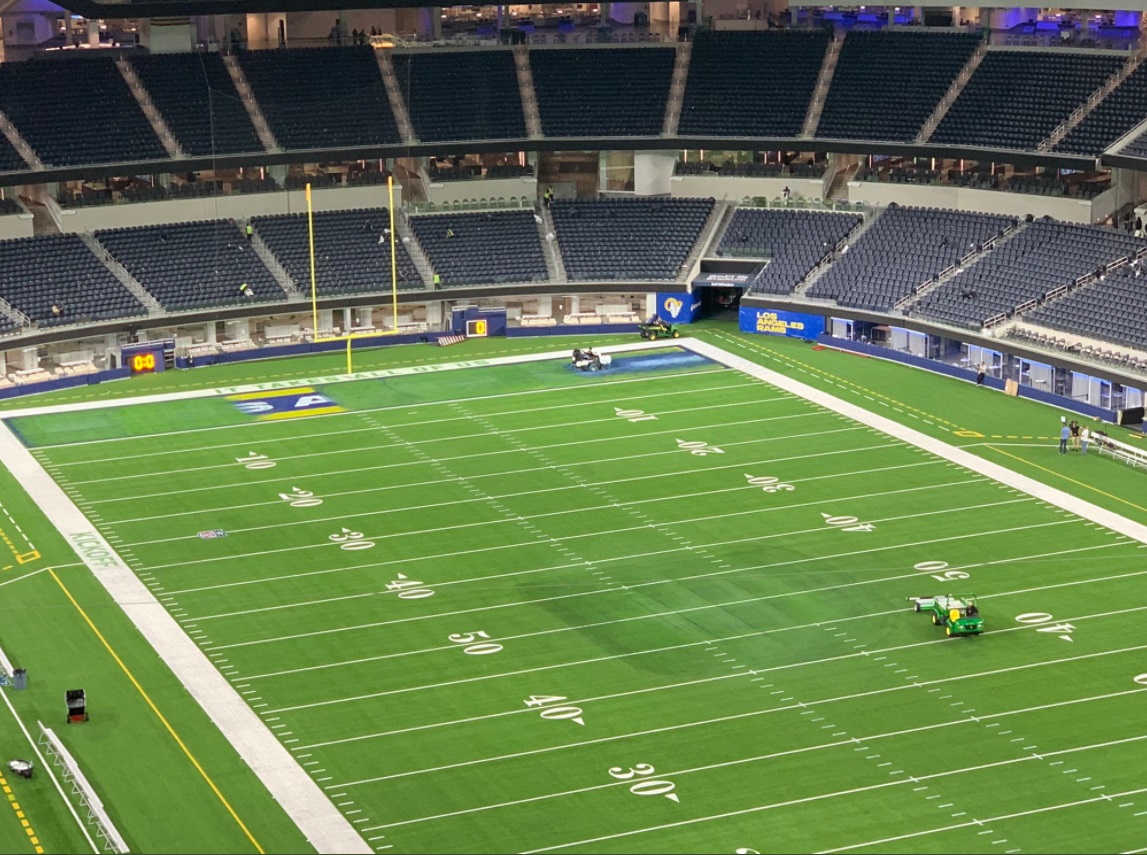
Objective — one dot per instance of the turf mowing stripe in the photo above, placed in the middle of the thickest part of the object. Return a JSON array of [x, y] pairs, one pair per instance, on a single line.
[[303, 437], [644, 584], [860, 654], [71, 408], [500, 496], [438, 556], [485, 434], [1024, 528], [563, 513], [854, 791], [470, 457], [756, 759], [978, 822], [871, 693], [852, 740]]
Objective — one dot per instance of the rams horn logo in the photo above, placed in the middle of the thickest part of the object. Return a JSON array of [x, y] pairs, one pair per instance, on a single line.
[[673, 306]]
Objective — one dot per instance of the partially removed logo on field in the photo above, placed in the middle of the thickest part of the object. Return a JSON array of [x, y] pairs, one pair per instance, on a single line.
[[210, 533], [285, 404]]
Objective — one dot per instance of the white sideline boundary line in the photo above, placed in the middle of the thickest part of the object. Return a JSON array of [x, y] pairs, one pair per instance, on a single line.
[[1066, 501], [301, 798], [327, 380]]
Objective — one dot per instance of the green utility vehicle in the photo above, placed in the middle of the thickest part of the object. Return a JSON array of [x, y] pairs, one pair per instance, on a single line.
[[658, 328], [959, 615]]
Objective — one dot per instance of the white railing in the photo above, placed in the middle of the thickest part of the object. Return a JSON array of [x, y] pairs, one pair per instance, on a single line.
[[5, 664], [1120, 450], [70, 771]]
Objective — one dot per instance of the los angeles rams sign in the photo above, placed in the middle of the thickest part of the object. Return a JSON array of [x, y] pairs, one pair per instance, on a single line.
[[677, 308], [285, 404]]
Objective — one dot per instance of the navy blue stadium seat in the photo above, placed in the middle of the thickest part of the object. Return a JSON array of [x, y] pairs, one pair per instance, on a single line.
[[330, 97], [886, 84], [751, 84], [1016, 99], [1042, 257], [349, 257], [462, 95], [77, 112], [482, 248], [10, 160], [199, 102], [193, 265], [904, 249], [617, 92], [1113, 309], [793, 241], [628, 239], [39, 272]]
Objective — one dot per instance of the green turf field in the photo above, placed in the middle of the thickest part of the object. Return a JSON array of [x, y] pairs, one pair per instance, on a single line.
[[656, 609]]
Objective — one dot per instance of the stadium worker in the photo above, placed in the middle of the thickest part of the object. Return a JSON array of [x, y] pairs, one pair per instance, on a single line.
[[1064, 433], [1084, 438]]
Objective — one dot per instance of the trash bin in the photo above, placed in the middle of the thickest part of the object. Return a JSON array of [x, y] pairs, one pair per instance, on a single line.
[[20, 678]]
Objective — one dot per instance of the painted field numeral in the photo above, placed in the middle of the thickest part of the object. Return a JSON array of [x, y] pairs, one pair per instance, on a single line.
[[351, 541], [847, 523], [256, 461], [561, 713], [300, 498], [472, 645], [1063, 630], [634, 415], [769, 484], [944, 574], [646, 787], [698, 448], [409, 589]]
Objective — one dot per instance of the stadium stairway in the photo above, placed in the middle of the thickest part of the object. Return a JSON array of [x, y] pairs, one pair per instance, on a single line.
[[824, 81], [817, 272], [121, 273], [933, 121], [720, 215], [154, 117], [253, 108], [14, 315], [677, 89], [19, 143], [965, 263], [273, 264], [394, 96], [528, 93], [414, 248], [555, 267], [1096, 98]]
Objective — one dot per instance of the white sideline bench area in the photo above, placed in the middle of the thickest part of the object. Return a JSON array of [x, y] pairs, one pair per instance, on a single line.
[[70, 771], [1132, 454]]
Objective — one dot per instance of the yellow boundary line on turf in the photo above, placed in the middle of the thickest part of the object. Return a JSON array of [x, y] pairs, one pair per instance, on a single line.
[[163, 720], [1066, 478], [31, 832]]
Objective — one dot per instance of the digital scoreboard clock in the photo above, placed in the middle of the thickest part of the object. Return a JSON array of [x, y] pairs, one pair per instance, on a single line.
[[145, 357]]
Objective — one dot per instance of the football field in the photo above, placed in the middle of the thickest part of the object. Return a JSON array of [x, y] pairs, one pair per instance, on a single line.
[[514, 607]]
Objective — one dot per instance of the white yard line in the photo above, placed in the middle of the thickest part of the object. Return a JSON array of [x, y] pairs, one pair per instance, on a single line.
[[1052, 495], [788, 666], [334, 473], [302, 438], [300, 797], [854, 791], [501, 496], [343, 378], [294, 524], [756, 759], [292, 787], [668, 686], [688, 683]]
